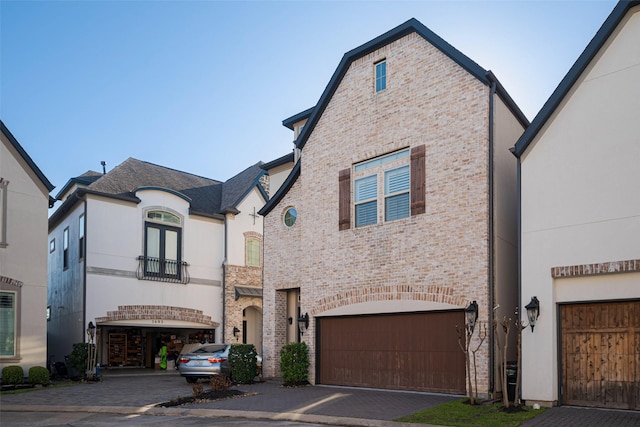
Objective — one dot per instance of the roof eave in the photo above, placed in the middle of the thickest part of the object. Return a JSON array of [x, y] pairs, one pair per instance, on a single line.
[[570, 79], [284, 188]]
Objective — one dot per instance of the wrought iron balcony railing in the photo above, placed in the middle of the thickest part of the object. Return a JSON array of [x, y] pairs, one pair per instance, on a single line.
[[162, 270]]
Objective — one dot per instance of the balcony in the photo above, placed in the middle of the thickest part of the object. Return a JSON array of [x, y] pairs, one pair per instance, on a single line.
[[162, 270]]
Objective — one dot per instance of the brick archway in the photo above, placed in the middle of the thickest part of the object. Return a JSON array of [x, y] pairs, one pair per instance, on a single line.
[[165, 312]]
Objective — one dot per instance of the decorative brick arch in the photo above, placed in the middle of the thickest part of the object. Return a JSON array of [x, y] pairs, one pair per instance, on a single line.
[[165, 312], [431, 293]]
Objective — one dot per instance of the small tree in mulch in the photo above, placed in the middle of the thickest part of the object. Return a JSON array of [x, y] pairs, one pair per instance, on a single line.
[[294, 364], [464, 341]]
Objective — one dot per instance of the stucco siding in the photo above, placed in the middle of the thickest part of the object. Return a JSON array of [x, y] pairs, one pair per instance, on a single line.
[[580, 202]]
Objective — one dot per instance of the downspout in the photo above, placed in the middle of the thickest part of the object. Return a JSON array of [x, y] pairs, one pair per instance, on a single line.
[[224, 281], [491, 242], [84, 268]]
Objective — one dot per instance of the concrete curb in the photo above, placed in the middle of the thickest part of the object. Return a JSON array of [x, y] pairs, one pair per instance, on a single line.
[[208, 413]]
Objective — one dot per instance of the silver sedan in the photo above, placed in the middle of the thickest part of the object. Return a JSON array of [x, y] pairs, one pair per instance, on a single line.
[[205, 362]]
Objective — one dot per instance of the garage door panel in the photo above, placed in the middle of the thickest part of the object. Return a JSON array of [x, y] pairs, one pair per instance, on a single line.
[[600, 354], [402, 351]]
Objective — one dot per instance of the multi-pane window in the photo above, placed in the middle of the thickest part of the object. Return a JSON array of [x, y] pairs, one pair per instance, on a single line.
[[381, 76], [7, 324], [253, 252], [81, 237], [65, 248], [382, 189], [163, 243]]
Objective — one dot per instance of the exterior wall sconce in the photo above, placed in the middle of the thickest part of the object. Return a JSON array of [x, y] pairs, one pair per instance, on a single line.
[[533, 311], [471, 313], [303, 323], [235, 332]]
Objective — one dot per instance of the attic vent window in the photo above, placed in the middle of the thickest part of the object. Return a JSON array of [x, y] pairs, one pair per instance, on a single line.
[[381, 75], [161, 216]]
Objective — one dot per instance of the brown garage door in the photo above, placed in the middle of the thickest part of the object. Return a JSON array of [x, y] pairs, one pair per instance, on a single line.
[[416, 351], [600, 354]]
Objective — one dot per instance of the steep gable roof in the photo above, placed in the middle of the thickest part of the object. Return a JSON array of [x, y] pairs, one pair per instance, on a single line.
[[16, 145], [236, 188], [567, 83], [412, 25]]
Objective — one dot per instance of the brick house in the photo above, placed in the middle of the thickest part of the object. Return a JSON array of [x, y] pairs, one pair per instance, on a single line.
[[400, 211], [152, 254], [24, 200], [580, 227]]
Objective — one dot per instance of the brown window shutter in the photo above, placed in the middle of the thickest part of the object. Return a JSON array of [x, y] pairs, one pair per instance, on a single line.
[[344, 194], [418, 205]]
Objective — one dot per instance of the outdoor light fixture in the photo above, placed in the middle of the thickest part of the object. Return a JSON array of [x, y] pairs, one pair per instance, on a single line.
[[471, 313], [91, 331], [303, 323], [290, 320], [235, 331], [533, 311], [90, 372]]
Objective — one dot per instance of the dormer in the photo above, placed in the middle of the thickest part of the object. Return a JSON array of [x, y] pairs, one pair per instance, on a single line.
[[296, 123]]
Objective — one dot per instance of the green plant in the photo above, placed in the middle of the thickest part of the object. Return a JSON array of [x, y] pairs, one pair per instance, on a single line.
[[12, 374], [294, 363], [220, 383], [39, 375], [243, 361], [79, 356]]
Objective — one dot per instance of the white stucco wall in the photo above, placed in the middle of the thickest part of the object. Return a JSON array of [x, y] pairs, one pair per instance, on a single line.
[[117, 246], [25, 256], [580, 201], [242, 223]]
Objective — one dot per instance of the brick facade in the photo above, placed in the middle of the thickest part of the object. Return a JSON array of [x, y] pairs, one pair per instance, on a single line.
[[434, 260], [157, 312]]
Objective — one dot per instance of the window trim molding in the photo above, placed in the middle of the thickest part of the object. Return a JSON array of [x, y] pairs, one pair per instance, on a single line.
[[382, 78], [13, 286], [252, 236]]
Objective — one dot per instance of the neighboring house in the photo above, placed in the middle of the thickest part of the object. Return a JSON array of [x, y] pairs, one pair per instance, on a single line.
[[580, 227], [24, 200], [400, 211], [151, 254]]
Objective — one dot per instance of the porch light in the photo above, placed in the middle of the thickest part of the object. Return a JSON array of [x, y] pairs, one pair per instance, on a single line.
[[533, 311], [91, 331], [235, 331], [471, 314], [303, 323]]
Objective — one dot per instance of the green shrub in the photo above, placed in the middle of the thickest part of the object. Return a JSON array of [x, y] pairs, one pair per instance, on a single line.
[[13, 374], [38, 375], [243, 361], [79, 356], [294, 363]]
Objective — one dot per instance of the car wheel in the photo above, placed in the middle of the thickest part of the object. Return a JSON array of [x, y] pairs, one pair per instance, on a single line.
[[192, 380]]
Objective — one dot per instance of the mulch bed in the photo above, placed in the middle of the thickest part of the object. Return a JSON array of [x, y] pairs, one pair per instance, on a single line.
[[207, 396]]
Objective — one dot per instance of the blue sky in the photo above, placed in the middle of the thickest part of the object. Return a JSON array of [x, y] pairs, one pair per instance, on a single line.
[[203, 86]]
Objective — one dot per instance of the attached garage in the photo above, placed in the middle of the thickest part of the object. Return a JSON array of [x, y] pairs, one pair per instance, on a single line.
[[413, 351], [601, 354]]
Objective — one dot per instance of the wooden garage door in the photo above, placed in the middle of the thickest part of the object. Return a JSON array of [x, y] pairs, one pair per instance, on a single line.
[[600, 354], [416, 351]]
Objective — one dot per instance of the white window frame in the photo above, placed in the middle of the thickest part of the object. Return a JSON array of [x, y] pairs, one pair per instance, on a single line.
[[376, 172], [380, 75]]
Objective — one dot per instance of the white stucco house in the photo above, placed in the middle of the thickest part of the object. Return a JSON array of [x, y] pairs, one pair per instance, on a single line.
[[24, 201], [150, 254], [579, 178]]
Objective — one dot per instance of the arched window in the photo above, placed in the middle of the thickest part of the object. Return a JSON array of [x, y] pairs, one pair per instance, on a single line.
[[162, 245], [252, 252]]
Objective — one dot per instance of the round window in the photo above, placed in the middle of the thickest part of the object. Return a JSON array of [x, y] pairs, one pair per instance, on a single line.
[[290, 217]]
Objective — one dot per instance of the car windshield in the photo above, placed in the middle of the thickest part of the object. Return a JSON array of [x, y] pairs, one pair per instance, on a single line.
[[210, 349]]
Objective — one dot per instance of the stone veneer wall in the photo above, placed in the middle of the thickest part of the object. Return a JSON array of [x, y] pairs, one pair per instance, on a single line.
[[438, 256], [239, 276]]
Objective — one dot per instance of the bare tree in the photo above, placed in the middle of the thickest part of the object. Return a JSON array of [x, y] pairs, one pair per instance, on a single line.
[[482, 334], [465, 334], [502, 352], [520, 326]]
